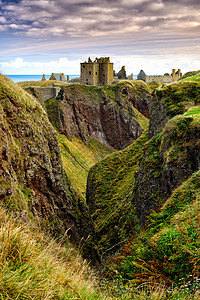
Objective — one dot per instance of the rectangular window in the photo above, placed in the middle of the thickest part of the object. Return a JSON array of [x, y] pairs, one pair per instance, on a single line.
[[90, 72], [96, 73], [83, 66]]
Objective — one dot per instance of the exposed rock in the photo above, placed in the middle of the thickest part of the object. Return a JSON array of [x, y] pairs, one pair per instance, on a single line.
[[31, 174], [168, 160], [106, 115], [122, 73], [158, 116]]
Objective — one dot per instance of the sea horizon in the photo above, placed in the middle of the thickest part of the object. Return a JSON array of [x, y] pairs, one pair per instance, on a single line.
[[20, 78]]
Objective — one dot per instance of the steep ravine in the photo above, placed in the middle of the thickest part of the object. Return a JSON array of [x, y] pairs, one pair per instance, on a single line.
[[139, 179], [107, 115], [32, 180], [142, 200]]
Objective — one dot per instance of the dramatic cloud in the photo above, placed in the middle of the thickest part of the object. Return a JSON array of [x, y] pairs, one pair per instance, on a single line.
[[50, 29], [91, 18]]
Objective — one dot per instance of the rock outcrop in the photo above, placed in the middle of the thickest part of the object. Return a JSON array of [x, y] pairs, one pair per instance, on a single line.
[[32, 180], [105, 114], [172, 153]]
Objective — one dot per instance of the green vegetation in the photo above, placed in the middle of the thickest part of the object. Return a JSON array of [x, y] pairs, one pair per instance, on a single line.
[[189, 75], [46, 83], [34, 266], [158, 261], [78, 158], [178, 97], [15, 108], [168, 249], [112, 182]]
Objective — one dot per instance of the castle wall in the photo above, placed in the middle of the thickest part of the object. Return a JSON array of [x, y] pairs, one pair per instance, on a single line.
[[96, 75], [87, 73], [99, 72], [48, 92], [110, 73], [175, 76], [106, 73], [164, 79]]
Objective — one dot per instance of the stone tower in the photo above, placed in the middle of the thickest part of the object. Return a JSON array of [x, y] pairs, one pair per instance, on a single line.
[[97, 72]]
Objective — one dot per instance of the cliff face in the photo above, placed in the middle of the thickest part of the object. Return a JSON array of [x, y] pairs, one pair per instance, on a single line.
[[106, 114], [139, 179], [32, 181], [172, 153]]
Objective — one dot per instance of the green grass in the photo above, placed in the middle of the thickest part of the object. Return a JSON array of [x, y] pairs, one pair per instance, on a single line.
[[78, 158], [46, 83], [193, 112], [112, 182], [190, 75], [34, 266], [193, 78]]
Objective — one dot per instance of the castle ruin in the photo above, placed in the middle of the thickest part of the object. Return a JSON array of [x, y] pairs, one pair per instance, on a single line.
[[175, 76], [97, 72], [57, 77]]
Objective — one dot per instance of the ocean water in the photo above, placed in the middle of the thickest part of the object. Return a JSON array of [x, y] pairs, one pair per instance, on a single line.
[[19, 78]]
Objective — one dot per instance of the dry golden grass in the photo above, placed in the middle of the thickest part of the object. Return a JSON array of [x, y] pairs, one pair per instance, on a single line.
[[36, 267]]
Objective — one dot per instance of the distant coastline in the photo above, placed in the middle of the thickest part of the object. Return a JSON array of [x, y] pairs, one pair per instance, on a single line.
[[19, 78]]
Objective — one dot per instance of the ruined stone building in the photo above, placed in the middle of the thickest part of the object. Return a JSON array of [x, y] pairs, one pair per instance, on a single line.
[[97, 72], [175, 76], [58, 77]]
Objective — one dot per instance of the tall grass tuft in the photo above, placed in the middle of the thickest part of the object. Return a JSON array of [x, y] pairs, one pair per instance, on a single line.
[[33, 266]]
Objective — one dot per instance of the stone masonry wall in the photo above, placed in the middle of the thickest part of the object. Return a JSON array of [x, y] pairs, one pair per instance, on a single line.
[[48, 92]]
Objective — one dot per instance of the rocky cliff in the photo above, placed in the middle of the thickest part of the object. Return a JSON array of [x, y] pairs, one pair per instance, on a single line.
[[132, 183], [32, 180], [106, 114], [172, 153]]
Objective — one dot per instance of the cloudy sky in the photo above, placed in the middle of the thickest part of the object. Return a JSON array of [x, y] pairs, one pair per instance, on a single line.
[[44, 36]]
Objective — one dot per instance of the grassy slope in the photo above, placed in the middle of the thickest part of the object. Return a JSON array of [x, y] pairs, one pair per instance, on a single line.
[[189, 75], [78, 158], [46, 83], [113, 183], [11, 94], [34, 266], [167, 250]]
